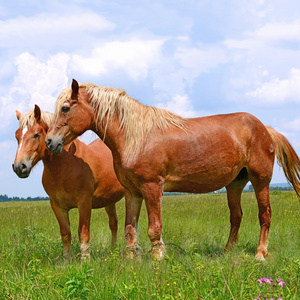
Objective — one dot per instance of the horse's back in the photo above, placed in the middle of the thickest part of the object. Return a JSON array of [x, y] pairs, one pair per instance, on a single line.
[[209, 153], [235, 122]]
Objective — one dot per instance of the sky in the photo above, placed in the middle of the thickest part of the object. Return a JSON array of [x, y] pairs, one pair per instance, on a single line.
[[195, 58]]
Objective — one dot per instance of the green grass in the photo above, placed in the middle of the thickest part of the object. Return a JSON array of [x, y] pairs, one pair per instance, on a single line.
[[195, 231]]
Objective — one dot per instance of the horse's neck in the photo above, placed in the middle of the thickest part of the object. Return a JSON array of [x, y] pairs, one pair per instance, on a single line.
[[112, 136], [52, 161]]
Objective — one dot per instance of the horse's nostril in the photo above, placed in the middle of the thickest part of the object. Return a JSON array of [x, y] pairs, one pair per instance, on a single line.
[[48, 142], [14, 168], [23, 167]]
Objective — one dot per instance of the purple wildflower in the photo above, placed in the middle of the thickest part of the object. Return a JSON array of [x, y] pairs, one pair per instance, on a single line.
[[281, 282], [261, 280], [269, 280]]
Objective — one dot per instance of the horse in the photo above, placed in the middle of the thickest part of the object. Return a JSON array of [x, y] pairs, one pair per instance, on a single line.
[[155, 150], [81, 177]]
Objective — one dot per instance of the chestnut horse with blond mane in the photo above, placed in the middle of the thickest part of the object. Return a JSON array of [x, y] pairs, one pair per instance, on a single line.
[[82, 176], [155, 150]]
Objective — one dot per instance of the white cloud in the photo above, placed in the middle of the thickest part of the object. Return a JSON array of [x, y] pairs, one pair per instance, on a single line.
[[272, 34], [278, 31], [36, 82], [54, 26], [43, 81], [279, 91], [179, 70], [181, 105], [265, 64], [195, 61], [134, 57]]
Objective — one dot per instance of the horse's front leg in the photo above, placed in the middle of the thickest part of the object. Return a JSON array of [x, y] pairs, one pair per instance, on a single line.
[[62, 217], [152, 193], [85, 210], [133, 208]]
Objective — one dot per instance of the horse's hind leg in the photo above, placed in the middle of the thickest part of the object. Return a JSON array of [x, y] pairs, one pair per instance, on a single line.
[[260, 169], [260, 178], [62, 217], [113, 223], [264, 215], [234, 192]]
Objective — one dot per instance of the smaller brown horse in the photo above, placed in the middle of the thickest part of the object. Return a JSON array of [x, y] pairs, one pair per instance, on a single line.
[[82, 176]]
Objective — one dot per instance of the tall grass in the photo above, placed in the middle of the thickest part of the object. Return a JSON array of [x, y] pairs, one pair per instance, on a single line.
[[195, 231]]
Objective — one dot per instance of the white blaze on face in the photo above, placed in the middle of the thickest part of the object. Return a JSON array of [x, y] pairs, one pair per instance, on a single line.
[[25, 129]]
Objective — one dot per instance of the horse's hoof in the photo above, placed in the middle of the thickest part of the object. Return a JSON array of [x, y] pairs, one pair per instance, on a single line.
[[134, 252], [67, 258], [158, 251], [85, 257], [261, 255]]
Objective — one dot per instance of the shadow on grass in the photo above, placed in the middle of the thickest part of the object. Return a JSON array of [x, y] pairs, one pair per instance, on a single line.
[[201, 249], [210, 250]]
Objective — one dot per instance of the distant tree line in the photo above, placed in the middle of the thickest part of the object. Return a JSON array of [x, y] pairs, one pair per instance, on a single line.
[[5, 198], [247, 189], [272, 188]]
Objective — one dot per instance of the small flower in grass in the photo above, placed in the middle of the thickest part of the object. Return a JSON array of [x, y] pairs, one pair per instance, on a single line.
[[270, 292], [280, 282], [261, 280]]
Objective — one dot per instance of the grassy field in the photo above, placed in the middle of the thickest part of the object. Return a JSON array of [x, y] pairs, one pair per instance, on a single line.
[[195, 231]]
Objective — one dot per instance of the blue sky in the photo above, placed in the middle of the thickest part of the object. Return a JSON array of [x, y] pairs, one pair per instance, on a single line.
[[195, 58]]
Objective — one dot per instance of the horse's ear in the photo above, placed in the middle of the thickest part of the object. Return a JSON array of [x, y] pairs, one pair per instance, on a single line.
[[18, 114], [37, 113], [75, 89]]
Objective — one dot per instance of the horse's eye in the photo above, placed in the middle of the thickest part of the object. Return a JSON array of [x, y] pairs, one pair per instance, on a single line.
[[65, 109], [37, 135]]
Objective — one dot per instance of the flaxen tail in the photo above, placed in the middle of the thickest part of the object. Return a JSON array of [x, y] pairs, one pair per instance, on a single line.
[[287, 158]]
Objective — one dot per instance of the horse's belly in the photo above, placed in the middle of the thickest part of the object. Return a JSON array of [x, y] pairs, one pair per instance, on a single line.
[[202, 182], [191, 187]]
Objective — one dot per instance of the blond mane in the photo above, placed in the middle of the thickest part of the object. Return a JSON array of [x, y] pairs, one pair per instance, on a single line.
[[136, 119], [28, 119]]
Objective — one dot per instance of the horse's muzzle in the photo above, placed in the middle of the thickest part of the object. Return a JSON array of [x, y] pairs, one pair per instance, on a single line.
[[22, 170], [54, 146]]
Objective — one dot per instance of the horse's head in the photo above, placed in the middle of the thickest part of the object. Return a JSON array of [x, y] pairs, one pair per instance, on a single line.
[[31, 141], [73, 116]]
